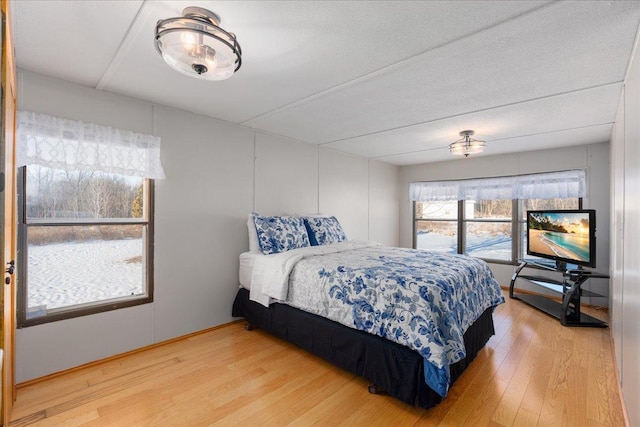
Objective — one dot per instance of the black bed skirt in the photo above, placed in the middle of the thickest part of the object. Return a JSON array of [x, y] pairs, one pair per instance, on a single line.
[[395, 369]]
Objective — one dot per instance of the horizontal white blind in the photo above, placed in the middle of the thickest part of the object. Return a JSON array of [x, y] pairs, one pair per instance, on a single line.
[[77, 146], [550, 185]]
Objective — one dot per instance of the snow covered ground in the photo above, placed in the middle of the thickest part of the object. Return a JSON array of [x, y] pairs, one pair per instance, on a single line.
[[64, 274], [478, 245]]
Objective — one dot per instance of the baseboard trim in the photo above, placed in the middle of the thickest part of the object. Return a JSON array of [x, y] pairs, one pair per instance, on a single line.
[[627, 421], [121, 355]]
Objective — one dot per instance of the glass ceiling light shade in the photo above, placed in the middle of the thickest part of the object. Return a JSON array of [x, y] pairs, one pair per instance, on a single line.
[[467, 145], [195, 45]]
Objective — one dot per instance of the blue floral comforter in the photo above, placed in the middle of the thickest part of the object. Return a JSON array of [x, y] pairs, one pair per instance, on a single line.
[[420, 299]]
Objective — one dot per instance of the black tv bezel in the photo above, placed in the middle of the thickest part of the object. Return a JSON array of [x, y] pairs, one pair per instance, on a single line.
[[562, 261]]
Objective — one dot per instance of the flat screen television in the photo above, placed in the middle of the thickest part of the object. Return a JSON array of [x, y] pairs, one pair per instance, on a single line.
[[565, 236]]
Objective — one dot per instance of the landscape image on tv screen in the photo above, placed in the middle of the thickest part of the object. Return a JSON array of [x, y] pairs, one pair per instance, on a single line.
[[560, 234]]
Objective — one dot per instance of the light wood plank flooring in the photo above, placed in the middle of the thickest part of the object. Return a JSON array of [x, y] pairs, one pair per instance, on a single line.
[[532, 372]]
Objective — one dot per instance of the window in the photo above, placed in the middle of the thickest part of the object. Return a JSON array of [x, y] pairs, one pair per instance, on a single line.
[[85, 200], [488, 229], [480, 228], [86, 243], [436, 226], [480, 217]]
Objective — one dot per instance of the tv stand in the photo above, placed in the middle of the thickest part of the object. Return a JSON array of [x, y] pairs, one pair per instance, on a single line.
[[569, 288]]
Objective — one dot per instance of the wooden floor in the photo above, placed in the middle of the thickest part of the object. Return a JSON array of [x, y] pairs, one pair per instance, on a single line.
[[532, 372]]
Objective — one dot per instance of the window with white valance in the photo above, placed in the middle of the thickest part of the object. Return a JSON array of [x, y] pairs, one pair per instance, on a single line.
[[552, 185], [86, 218], [485, 217], [75, 146]]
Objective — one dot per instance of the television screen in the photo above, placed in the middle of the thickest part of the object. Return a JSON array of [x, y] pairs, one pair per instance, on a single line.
[[566, 236]]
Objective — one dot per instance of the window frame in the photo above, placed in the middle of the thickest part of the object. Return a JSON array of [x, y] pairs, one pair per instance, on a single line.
[[514, 249], [89, 308], [460, 212], [461, 221]]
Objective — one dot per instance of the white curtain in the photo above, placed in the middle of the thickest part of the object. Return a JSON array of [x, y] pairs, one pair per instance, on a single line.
[[536, 186], [77, 146]]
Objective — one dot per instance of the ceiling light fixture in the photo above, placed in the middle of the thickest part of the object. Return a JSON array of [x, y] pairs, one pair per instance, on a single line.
[[467, 145], [195, 45]]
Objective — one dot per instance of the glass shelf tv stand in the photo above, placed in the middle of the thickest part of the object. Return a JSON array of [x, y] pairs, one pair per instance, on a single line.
[[568, 287]]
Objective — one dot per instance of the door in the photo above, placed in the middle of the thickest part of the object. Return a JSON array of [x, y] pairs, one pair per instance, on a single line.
[[8, 223]]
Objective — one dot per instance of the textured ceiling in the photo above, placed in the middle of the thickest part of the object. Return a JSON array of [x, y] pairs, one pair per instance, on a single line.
[[394, 81]]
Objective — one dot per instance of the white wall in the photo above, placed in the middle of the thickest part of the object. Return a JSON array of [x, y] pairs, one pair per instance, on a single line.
[[199, 230], [617, 232], [344, 190], [593, 158], [217, 173], [283, 183], [384, 203], [625, 256]]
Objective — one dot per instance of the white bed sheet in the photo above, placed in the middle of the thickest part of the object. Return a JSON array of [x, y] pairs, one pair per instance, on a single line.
[[247, 261]]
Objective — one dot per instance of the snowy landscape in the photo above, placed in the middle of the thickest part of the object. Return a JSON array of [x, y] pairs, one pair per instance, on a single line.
[[496, 246], [71, 273]]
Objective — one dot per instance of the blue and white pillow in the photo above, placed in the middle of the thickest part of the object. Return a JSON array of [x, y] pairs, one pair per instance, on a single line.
[[280, 233], [324, 230]]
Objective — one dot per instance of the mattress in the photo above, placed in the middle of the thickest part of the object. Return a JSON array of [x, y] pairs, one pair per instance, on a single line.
[[247, 261]]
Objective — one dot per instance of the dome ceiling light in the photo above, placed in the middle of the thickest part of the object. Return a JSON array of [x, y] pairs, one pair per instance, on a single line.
[[467, 145], [195, 45]]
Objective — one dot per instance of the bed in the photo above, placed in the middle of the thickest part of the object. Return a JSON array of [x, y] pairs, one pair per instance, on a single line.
[[408, 321]]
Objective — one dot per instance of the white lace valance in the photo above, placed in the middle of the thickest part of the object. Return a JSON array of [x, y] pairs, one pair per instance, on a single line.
[[536, 186], [76, 146]]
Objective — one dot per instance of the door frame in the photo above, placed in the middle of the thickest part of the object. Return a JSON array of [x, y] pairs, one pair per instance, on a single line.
[[8, 227]]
